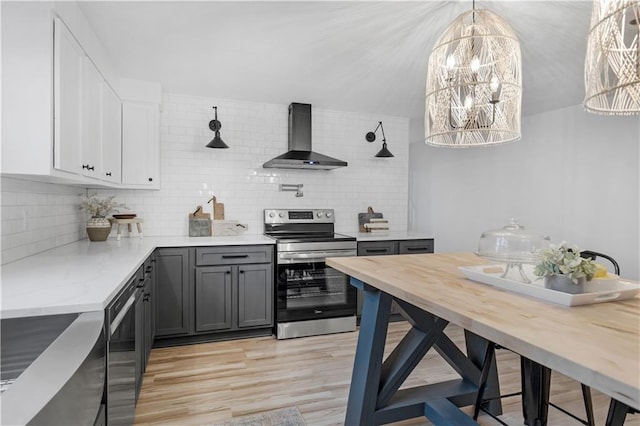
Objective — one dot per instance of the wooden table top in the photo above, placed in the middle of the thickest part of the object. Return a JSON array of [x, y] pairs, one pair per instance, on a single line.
[[598, 345]]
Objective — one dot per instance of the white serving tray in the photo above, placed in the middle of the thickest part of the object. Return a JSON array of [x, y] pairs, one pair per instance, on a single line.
[[599, 290]]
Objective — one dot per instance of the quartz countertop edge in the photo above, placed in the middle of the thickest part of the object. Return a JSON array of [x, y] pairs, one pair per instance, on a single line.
[[85, 276]]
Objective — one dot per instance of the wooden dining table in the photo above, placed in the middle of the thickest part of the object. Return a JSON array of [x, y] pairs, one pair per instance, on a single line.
[[597, 345]]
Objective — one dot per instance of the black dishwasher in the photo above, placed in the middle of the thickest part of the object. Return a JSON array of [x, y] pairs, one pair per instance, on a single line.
[[121, 354]]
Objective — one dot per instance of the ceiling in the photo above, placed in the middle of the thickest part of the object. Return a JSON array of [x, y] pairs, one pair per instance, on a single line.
[[341, 55]]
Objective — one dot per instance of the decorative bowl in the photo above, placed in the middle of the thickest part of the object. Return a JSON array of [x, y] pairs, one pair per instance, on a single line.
[[124, 216]]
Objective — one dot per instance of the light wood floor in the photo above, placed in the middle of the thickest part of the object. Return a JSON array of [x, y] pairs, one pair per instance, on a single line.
[[214, 382]]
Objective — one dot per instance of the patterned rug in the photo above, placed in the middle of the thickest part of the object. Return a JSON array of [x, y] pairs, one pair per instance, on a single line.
[[289, 416]]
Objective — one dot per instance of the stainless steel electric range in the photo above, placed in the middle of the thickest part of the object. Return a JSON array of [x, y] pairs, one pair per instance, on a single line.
[[311, 297]]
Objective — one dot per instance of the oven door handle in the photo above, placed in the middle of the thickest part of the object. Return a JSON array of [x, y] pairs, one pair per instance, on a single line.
[[317, 256]]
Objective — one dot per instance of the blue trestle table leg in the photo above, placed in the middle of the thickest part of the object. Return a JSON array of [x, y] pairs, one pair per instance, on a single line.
[[374, 397]]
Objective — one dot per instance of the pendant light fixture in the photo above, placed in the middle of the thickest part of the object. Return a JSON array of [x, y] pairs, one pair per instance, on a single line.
[[612, 64], [371, 136], [215, 125], [474, 83]]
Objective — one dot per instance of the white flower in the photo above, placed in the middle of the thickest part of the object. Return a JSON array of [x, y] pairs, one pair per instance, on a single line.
[[564, 260], [100, 207]]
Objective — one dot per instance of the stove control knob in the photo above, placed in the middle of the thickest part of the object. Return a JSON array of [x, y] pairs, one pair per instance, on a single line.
[[329, 214], [319, 214], [281, 214], [272, 214]]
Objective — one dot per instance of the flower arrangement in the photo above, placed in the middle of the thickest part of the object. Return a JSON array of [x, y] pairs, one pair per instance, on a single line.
[[99, 207], [564, 260]]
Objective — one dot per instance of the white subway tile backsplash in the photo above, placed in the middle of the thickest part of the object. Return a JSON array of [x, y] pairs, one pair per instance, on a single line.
[[38, 216], [255, 133]]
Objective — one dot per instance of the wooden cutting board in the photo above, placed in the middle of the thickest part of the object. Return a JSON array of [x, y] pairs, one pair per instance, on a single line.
[[366, 217], [218, 210]]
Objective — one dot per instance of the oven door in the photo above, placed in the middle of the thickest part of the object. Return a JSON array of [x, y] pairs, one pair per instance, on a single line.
[[309, 289]]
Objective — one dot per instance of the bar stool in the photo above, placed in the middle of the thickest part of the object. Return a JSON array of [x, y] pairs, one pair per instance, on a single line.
[[542, 385]]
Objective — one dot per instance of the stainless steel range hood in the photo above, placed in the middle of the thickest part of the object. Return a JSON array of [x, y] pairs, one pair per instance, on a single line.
[[300, 155]]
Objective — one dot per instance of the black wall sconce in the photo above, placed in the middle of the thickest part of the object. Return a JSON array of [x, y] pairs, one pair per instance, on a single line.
[[215, 125], [371, 136]]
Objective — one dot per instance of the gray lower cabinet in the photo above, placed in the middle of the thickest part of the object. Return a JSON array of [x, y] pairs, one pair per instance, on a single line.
[[149, 306], [255, 295], [236, 293], [172, 292], [415, 246], [213, 298], [144, 324], [206, 291], [377, 248], [388, 247]]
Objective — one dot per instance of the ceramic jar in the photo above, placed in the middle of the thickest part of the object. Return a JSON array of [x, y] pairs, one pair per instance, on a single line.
[[98, 228]]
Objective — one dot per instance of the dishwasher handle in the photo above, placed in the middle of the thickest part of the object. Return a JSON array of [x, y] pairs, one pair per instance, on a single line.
[[122, 313]]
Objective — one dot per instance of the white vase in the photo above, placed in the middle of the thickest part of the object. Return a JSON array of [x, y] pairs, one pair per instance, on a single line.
[[98, 228], [564, 284]]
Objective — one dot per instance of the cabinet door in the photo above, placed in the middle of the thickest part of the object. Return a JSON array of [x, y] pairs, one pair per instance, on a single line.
[[213, 298], [68, 57], [415, 246], [111, 135], [214, 256], [172, 292], [377, 248], [91, 145], [255, 295], [140, 144]]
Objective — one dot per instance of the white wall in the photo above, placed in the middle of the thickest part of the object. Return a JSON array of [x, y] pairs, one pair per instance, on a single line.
[[574, 176], [255, 133], [38, 216]]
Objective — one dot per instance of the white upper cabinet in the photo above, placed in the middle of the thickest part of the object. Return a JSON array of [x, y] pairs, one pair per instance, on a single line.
[[62, 104], [68, 76], [91, 119], [111, 135], [140, 144]]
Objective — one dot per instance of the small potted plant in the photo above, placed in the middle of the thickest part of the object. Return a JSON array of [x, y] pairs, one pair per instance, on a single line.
[[98, 226], [563, 269]]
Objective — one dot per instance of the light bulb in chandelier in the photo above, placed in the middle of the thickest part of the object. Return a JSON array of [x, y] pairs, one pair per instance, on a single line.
[[468, 102], [494, 84], [451, 62], [475, 64]]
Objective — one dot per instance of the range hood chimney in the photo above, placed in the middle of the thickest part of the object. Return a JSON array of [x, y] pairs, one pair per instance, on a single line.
[[300, 155]]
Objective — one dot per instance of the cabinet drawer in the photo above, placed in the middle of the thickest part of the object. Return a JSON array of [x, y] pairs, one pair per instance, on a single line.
[[415, 246], [233, 255], [377, 248]]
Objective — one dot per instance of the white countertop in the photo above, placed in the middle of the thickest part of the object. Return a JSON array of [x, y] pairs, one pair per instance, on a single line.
[[391, 235], [85, 276]]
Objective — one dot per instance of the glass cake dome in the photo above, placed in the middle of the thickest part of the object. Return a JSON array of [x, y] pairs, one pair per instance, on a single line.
[[513, 245]]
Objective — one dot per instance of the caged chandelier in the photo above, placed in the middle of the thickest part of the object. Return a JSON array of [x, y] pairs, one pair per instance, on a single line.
[[612, 64], [474, 83]]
